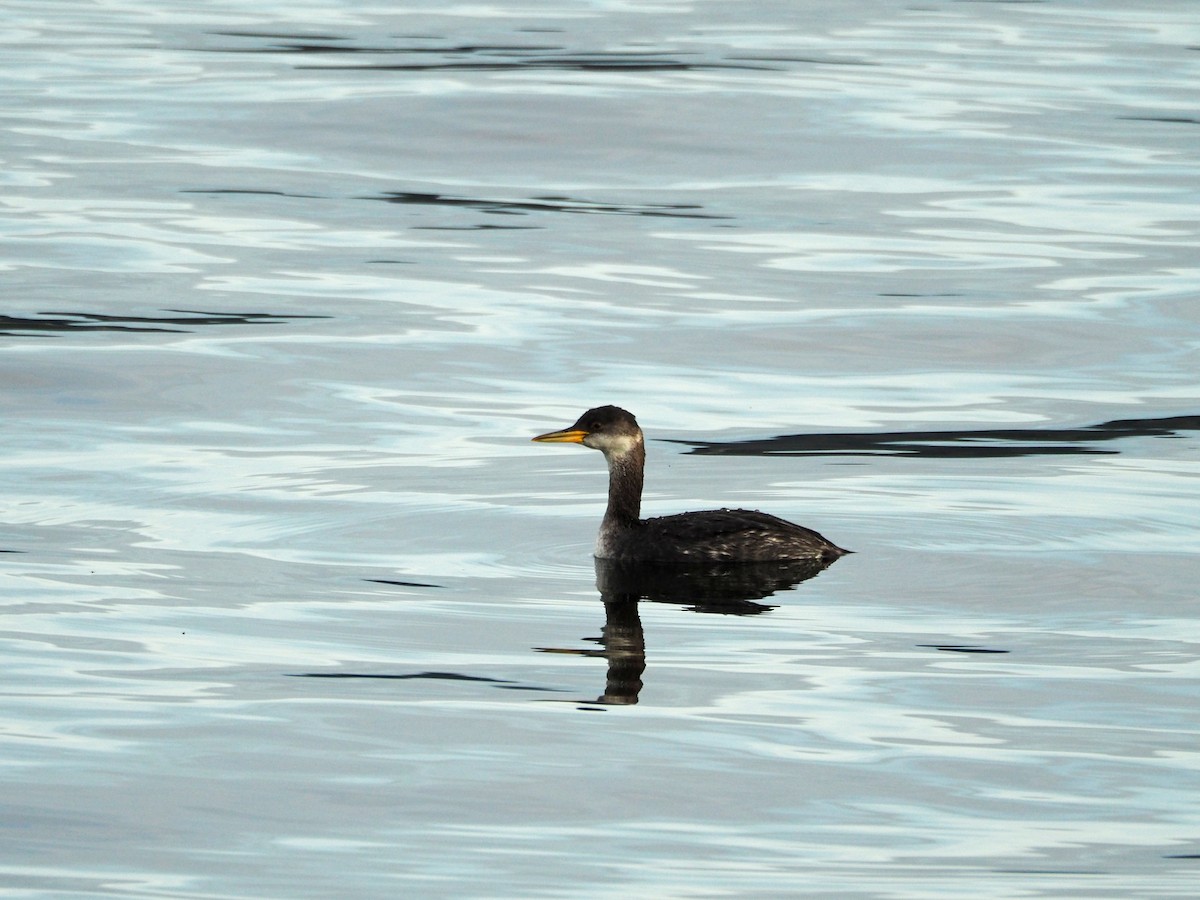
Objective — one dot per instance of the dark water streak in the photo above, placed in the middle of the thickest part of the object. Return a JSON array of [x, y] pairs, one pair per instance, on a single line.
[[403, 583], [509, 57], [554, 204], [547, 204], [501, 683], [964, 444], [19, 326]]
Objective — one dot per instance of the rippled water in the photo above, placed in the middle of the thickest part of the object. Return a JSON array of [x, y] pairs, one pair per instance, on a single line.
[[293, 608]]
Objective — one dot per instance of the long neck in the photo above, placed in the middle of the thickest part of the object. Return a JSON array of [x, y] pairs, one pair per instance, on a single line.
[[625, 485]]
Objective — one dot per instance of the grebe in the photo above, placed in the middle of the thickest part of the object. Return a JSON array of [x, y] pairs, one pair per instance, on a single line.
[[716, 535]]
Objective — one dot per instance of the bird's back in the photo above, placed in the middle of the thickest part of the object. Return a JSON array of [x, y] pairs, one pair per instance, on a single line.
[[721, 535]]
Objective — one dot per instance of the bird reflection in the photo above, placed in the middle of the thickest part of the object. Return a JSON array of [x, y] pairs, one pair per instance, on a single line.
[[728, 588], [725, 588]]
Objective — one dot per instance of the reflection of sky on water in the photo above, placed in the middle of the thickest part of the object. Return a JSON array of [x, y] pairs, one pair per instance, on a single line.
[[288, 290]]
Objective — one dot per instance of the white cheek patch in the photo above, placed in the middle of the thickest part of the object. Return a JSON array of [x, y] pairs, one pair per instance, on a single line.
[[619, 444]]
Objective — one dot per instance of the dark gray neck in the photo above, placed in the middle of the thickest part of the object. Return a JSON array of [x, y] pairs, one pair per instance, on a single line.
[[625, 486]]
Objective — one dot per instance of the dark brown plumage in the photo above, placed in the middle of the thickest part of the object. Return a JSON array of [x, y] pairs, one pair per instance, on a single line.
[[717, 535]]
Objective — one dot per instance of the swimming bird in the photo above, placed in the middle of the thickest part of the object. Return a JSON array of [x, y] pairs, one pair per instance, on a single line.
[[715, 535]]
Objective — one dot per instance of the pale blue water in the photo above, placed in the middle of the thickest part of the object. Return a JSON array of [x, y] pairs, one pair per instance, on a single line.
[[286, 290]]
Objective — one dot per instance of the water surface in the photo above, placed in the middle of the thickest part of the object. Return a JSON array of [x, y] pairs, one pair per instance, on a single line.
[[293, 608]]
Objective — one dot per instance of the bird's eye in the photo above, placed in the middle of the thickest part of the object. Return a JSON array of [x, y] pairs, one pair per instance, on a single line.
[[595, 426]]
